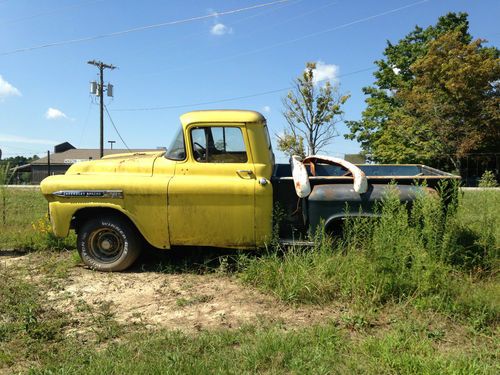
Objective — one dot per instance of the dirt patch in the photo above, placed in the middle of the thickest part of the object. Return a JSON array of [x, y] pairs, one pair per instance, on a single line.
[[177, 301]]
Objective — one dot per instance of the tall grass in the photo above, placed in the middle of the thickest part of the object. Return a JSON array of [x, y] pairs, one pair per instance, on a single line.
[[26, 225], [430, 255], [4, 180]]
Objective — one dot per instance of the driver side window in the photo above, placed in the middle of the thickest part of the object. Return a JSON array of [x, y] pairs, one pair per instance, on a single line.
[[218, 144]]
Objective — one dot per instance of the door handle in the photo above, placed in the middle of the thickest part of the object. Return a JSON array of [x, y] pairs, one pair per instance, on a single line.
[[243, 172]]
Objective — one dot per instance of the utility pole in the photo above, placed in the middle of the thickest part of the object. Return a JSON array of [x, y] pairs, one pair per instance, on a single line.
[[99, 90], [111, 143], [48, 163]]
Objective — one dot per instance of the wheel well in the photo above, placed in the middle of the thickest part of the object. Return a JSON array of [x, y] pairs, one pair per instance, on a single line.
[[84, 214], [335, 225]]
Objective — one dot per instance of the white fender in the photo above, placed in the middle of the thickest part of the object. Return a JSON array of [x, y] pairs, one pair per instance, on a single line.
[[300, 177], [360, 181]]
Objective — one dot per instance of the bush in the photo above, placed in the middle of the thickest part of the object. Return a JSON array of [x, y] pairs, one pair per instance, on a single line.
[[424, 254], [488, 180]]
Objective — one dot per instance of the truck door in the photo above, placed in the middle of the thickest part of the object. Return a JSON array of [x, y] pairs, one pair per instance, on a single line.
[[211, 198]]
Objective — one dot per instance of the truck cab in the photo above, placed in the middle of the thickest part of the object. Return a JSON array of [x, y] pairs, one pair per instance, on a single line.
[[220, 193], [210, 188]]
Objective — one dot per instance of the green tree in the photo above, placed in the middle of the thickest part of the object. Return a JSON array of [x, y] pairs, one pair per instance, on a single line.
[[291, 144], [15, 161], [311, 109], [452, 107], [376, 133]]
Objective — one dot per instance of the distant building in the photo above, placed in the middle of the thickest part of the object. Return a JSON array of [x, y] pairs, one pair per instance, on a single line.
[[64, 156]]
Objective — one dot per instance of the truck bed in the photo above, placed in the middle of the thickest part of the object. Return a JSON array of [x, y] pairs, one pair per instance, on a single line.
[[336, 190]]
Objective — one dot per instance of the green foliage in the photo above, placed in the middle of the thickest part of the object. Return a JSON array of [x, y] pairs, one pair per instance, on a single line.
[[488, 180], [405, 348], [291, 144], [4, 180], [25, 325], [435, 98], [423, 255], [8, 163], [312, 110], [397, 294], [103, 323], [17, 160], [26, 223]]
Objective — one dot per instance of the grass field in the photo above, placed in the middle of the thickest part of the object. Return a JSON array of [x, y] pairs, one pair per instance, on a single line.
[[411, 293]]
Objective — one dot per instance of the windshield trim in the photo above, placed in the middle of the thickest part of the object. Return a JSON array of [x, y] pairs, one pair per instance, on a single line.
[[179, 133]]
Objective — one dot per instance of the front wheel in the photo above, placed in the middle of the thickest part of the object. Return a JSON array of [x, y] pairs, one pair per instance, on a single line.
[[108, 244]]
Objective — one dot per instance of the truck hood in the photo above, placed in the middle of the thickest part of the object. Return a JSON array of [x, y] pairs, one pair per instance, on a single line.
[[138, 163]]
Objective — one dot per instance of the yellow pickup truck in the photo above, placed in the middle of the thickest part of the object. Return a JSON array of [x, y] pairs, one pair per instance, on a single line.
[[216, 185]]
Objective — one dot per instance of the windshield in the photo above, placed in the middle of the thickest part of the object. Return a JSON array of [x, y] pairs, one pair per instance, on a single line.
[[177, 149]]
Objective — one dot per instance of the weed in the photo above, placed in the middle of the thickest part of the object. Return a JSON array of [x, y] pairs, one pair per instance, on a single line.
[[488, 180], [426, 255], [27, 226], [102, 318], [203, 298], [26, 325]]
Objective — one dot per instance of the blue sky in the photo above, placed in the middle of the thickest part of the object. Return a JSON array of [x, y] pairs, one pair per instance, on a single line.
[[44, 92]]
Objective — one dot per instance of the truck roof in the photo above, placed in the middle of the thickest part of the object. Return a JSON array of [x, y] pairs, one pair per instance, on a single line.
[[225, 115]]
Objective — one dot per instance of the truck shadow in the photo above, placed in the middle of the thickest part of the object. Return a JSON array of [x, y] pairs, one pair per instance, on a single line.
[[196, 260]]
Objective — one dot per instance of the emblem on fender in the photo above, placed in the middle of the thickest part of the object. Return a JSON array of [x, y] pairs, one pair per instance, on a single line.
[[89, 193]]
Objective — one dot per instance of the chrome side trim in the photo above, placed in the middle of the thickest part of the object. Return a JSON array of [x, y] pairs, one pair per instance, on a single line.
[[89, 193]]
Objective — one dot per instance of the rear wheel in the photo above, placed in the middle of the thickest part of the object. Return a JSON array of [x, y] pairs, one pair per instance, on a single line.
[[108, 244]]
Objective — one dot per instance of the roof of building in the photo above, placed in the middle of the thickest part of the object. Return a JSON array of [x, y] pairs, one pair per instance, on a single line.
[[81, 154]]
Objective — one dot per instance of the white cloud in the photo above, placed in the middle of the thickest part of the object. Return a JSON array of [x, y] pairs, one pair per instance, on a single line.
[[396, 70], [220, 29], [266, 109], [18, 139], [325, 72], [54, 114], [6, 89]]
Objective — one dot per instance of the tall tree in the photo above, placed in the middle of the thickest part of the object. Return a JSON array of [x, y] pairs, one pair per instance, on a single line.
[[374, 131], [312, 109], [452, 107]]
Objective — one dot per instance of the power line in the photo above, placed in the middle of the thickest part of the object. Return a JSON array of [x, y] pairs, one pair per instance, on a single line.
[[142, 28], [158, 108], [265, 12], [179, 39], [117, 132], [256, 31], [56, 10], [290, 41]]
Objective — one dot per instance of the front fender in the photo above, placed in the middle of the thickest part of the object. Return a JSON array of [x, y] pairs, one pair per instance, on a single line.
[[141, 199], [61, 214]]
